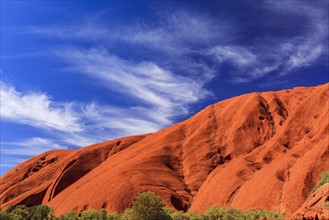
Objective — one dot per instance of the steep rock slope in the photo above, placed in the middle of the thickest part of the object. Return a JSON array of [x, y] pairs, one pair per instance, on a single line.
[[257, 150], [279, 174]]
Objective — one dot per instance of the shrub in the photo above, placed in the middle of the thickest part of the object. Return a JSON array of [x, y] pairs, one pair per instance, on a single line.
[[92, 214], [178, 215], [113, 216], [169, 210], [125, 215], [184, 216], [263, 214], [21, 212], [215, 213], [102, 214], [10, 208], [148, 206], [323, 180], [70, 215], [41, 212]]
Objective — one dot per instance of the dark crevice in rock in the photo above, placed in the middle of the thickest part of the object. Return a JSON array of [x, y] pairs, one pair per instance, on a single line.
[[106, 155], [104, 205], [265, 106], [177, 203], [34, 199], [281, 175], [232, 196], [284, 112], [71, 163], [268, 157], [308, 183]]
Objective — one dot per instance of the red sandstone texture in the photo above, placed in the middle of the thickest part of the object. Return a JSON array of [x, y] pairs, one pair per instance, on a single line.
[[316, 206], [263, 150]]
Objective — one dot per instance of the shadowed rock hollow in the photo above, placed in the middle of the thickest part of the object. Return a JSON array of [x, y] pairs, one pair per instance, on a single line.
[[262, 150]]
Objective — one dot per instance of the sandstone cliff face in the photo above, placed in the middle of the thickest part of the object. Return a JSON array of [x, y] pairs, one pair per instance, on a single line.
[[262, 150]]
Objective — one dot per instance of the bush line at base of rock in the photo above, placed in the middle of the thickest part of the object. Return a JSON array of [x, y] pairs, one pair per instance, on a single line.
[[146, 206]]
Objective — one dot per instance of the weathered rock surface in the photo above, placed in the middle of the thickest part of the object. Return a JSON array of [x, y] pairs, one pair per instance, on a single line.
[[316, 206], [263, 150]]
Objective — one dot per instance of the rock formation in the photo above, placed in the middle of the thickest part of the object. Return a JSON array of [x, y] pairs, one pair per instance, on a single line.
[[263, 150]]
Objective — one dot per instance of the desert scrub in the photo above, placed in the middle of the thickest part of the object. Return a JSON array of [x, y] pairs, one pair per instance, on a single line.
[[215, 213], [146, 206]]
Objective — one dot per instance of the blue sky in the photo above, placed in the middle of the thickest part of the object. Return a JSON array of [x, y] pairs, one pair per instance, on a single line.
[[74, 73]]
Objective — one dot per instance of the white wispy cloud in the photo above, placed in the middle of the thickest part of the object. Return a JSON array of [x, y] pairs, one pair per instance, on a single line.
[[239, 56], [99, 123], [249, 65], [172, 33], [37, 109], [85, 139], [75, 124], [15, 152], [82, 124], [8, 162], [158, 89], [303, 49], [181, 35], [123, 121], [304, 55], [279, 57], [276, 59], [29, 147]]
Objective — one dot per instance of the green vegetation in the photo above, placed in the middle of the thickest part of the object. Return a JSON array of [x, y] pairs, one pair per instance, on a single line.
[[146, 206], [21, 212], [70, 215], [92, 214], [323, 180]]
